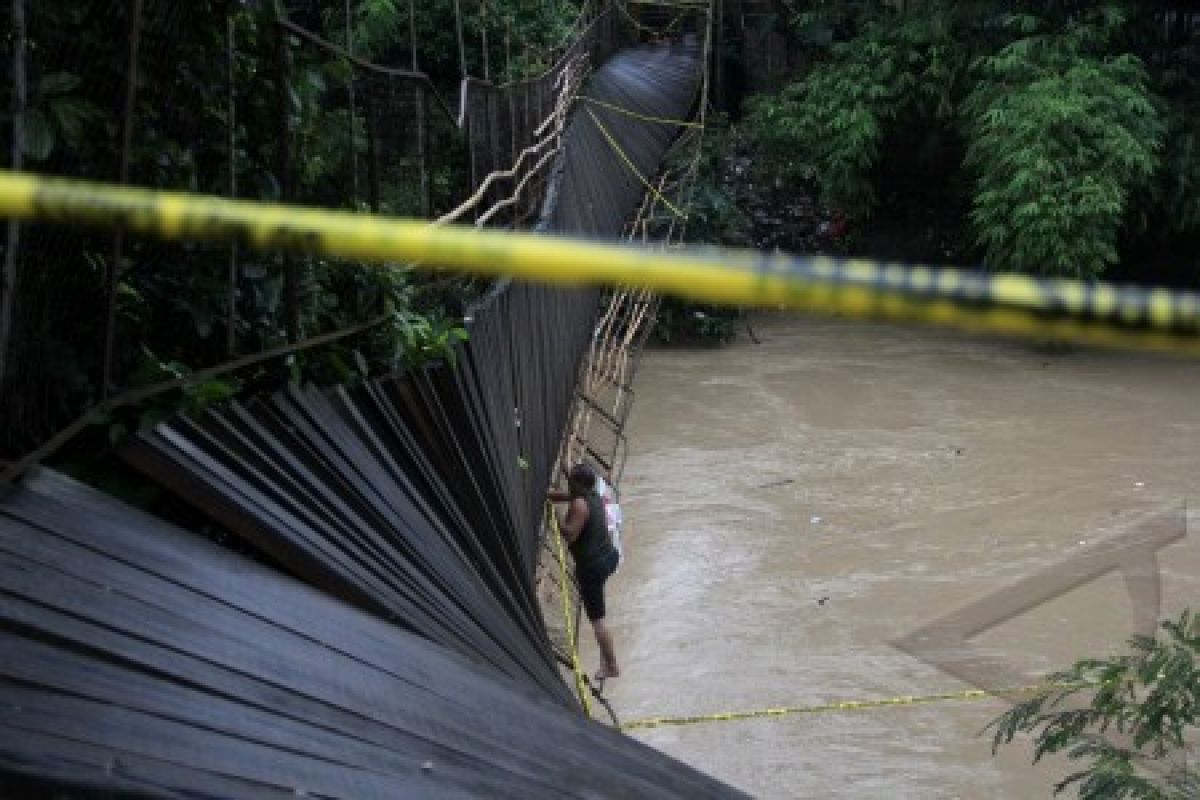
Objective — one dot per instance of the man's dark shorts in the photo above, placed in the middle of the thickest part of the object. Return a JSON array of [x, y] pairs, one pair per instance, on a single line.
[[591, 583]]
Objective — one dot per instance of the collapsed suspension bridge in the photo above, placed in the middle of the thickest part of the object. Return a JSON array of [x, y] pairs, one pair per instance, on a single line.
[[394, 644]]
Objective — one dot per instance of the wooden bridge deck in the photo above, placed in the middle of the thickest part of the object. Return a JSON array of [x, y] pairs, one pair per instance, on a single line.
[[139, 659]]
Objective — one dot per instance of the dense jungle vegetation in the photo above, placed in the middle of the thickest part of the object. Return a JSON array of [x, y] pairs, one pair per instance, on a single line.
[[215, 86], [1127, 723], [1058, 139], [1051, 138]]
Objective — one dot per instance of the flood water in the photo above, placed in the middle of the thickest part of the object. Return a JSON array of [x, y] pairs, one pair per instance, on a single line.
[[795, 505]]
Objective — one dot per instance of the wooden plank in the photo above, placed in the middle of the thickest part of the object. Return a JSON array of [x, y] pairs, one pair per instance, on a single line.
[[128, 642], [139, 659]]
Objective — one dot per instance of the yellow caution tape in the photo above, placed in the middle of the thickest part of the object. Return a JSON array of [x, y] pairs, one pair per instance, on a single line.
[[636, 115], [568, 619], [850, 705], [1095, 313]]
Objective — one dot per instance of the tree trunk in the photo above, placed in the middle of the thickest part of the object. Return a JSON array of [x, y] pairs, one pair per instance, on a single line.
[[8, 278], [462, 47], [283, 77], [352, 102], [426, 201], [114, 269], [231, 300]]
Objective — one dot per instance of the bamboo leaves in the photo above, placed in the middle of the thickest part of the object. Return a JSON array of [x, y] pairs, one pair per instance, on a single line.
[[1048, 123], [1059, 140]]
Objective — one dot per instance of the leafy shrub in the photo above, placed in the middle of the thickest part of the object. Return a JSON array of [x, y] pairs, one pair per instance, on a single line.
[[833, 123], [714, 214], [681, 322], [1060, 137], [1141, 713], [1065, 138], [714, 217]]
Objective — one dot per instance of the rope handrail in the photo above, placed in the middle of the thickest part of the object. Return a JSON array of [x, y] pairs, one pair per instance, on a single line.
[[558, 118], [557, 70], [650, 29], [613, 356], [567, 616], [628, 112], [570, 41], [391, 72], [612, 141], [512, 199]]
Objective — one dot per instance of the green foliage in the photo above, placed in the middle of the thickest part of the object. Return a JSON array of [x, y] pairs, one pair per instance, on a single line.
[[833, 123], [190, 398], [346, 295], [1173, 201], [1063, 129], [57, 116], [1130, 719], [1061, 136], [681, 321], [713, 217], [822, 24], [422, 338], [381, 30], [173, 300]]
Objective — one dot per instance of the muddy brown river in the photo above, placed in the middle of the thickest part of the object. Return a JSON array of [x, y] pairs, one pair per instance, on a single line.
[[794, 506]]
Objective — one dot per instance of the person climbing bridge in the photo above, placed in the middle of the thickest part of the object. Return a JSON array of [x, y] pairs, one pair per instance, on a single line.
[[585, 528]]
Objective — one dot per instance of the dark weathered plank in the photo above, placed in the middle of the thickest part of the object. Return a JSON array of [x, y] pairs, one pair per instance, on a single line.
[[419, 497], [139, 660], [138, 657]]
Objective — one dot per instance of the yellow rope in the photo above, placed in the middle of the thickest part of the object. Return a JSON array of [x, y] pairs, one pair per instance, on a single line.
[[568, 619], [634, 114], [649, 28], [849, 705], [633, 167], [1008, 304]]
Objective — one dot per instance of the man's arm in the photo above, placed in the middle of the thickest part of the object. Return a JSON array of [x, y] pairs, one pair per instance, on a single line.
[[577, 517]]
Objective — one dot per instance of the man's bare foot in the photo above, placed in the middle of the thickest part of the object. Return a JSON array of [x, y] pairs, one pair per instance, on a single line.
[[606, 672]]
